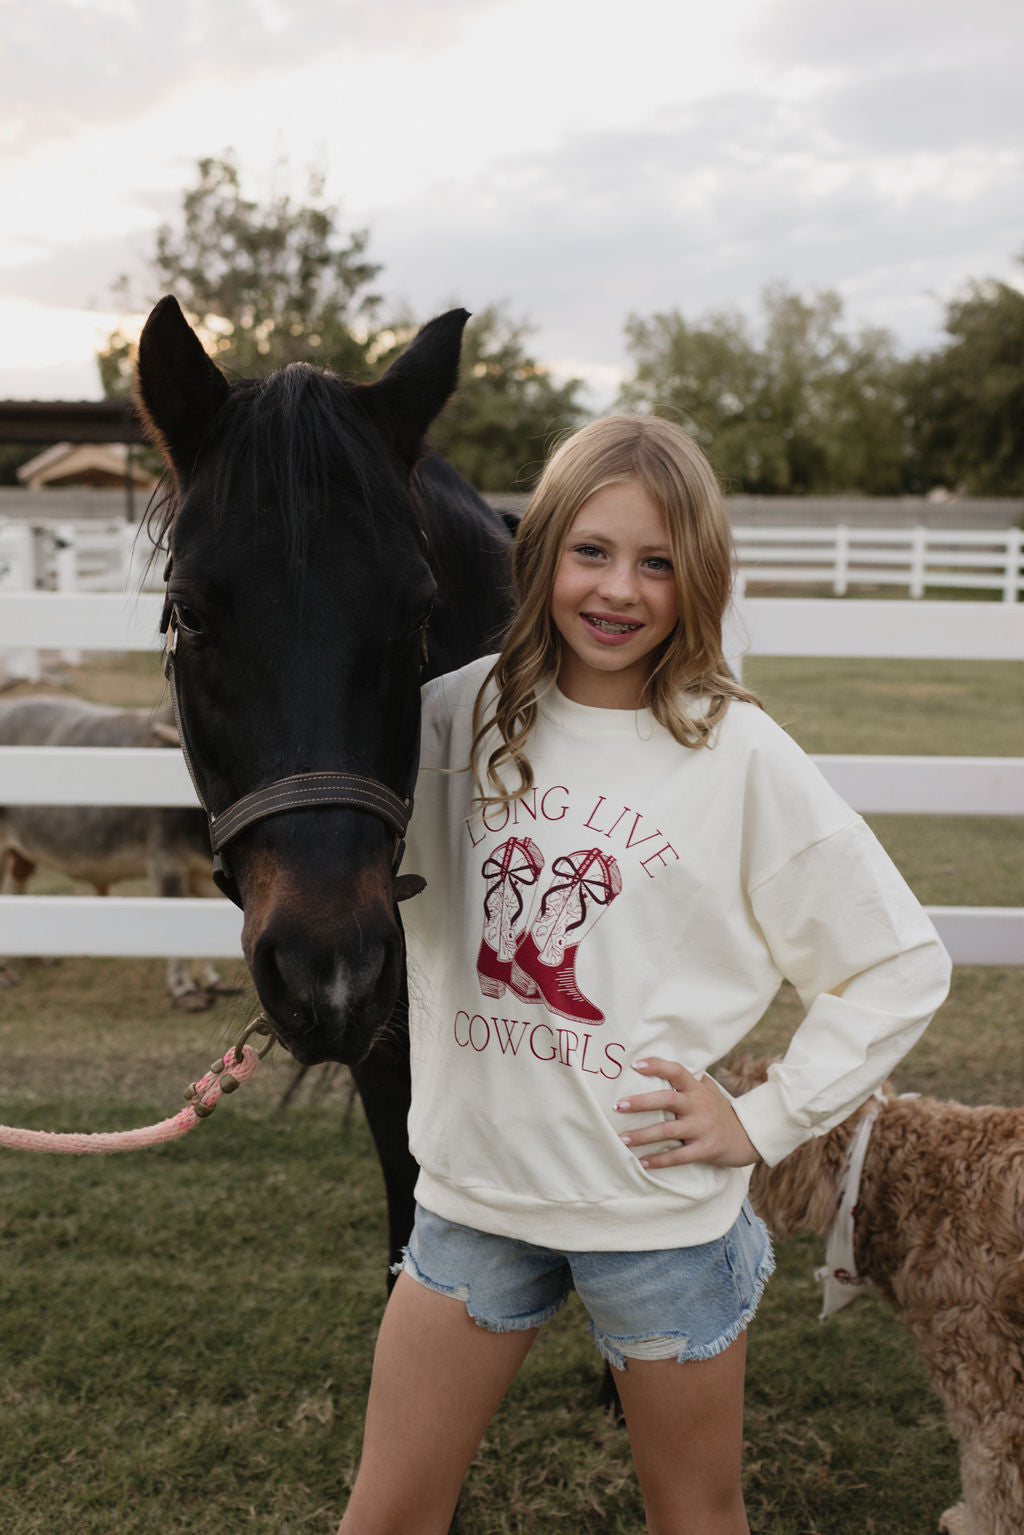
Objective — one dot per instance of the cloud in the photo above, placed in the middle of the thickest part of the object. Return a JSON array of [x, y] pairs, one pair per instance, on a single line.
[[83, 275], [868, 147], [67, 63], [49, 352], [863, 35], [700, 213], [922, 75], [76, 379]]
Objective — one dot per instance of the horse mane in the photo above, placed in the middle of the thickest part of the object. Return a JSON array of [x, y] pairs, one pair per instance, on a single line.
[[301, 441], [298, 437], [465, 538]]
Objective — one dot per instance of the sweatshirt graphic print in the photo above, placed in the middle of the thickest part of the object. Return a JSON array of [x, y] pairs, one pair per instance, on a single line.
[[537, 960], [640, 899]]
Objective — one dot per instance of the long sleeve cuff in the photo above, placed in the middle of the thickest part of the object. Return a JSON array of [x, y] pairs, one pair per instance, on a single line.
[[763, 1114]]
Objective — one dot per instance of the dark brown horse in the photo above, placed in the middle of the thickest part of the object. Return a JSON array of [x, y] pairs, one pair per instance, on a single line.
[[320, 567]]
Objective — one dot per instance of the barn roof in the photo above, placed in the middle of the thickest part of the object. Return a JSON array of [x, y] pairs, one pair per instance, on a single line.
[[68, 421], [84, 463]]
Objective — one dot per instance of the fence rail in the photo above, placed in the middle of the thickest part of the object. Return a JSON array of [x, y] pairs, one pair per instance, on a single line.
[[120, 926], [782, 626], [86, 556], [759, 626], [90, 555], [94, 775], [69, 557], [915, 558]]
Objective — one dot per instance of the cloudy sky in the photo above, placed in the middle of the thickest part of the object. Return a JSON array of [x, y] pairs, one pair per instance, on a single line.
[[574, 159]]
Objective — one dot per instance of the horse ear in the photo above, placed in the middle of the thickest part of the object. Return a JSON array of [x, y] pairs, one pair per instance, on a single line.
[[177, 388], [405, 399]]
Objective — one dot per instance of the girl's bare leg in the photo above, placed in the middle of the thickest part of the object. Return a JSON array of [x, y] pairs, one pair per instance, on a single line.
[[685, 1426], [438, 1379]]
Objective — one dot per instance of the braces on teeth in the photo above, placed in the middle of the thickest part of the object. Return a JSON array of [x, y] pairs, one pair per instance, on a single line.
[[609, 628]]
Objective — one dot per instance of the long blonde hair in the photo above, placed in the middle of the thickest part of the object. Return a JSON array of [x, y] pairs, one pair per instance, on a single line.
[[677, 476]]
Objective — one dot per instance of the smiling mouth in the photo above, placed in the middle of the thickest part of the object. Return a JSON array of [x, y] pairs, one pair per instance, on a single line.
[[608, 626]]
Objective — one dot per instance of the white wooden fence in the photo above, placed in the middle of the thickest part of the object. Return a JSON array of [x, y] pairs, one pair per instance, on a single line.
[[915, 558], [86, 555], [74, 556], [761, 626], [79, 555]]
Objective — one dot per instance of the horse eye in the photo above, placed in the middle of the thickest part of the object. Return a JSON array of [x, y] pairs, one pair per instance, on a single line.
[[418, 623], [187, 618]]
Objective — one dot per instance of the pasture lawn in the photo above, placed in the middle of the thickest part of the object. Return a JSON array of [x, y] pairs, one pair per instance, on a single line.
[[186, 1334]]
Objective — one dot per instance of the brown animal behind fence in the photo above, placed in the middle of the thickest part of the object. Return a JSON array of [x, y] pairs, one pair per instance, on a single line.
[[104, 844]]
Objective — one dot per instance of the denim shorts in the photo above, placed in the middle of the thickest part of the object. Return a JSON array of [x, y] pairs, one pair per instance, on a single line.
[[676, 1303]]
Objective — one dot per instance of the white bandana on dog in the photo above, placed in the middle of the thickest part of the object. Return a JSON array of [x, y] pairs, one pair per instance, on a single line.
[[839, 1275]]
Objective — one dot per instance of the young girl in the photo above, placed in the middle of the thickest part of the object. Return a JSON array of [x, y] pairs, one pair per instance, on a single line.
[[634, 859]]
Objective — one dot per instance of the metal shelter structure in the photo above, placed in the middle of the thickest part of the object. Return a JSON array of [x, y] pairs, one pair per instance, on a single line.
[[31, 421]]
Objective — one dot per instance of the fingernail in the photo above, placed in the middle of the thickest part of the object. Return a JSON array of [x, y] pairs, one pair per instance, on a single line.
[[623, 1103], [639, 1065], [627, 1140], [645, 1162]]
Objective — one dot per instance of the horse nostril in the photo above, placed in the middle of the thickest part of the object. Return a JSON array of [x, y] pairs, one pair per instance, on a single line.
[[325, 989], [275, 988]]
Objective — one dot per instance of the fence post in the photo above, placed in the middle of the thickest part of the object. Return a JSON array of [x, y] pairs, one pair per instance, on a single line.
[[18, 574], [66, 565], [733, 631], [918, 556], [126, 545], [841, 573], [1014, 574]]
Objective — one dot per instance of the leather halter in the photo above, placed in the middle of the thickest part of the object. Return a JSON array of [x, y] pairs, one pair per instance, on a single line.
[[298, 791]]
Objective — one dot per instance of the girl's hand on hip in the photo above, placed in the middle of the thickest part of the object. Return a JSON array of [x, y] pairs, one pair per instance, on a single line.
[[702, 1119]]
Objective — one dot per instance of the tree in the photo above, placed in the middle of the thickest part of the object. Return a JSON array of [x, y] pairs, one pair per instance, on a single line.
[[500, 425], [966, 400], [807, 409], [266, 284], [274, 284], [707, 377], [866, 441]]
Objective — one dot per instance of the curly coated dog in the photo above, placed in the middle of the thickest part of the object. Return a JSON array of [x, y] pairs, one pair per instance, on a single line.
[[939, 1232]]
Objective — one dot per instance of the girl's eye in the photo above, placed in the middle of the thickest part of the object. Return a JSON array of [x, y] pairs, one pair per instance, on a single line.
[[589, 551], [660, 565]]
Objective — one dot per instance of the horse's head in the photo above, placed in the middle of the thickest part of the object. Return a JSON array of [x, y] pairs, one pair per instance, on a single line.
[[298, 593]]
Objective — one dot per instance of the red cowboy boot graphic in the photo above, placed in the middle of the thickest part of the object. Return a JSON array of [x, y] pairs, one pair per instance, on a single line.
[[511, 867], [547, 953]]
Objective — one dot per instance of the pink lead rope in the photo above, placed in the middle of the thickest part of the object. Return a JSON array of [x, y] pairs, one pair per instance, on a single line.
[[224, 1076]]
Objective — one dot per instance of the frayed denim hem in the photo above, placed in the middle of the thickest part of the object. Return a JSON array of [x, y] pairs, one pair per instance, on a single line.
[[407, 1264], [619, 1350]]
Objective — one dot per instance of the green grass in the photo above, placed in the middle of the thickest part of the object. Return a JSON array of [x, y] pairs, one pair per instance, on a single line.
[[917, 708], [186, 1334], [179, 1329], [921, 708]]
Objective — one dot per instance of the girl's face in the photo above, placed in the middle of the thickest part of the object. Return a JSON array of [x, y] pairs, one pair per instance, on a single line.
[[614, 600]]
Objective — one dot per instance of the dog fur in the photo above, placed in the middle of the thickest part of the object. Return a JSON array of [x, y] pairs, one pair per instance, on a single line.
[[939, 1231]]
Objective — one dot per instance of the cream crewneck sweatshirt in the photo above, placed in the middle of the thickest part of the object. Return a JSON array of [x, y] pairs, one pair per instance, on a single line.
[[642, 899]]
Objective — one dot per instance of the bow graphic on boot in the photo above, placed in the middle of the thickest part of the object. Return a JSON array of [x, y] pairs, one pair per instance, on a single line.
[[514, 865], [584, 884]]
